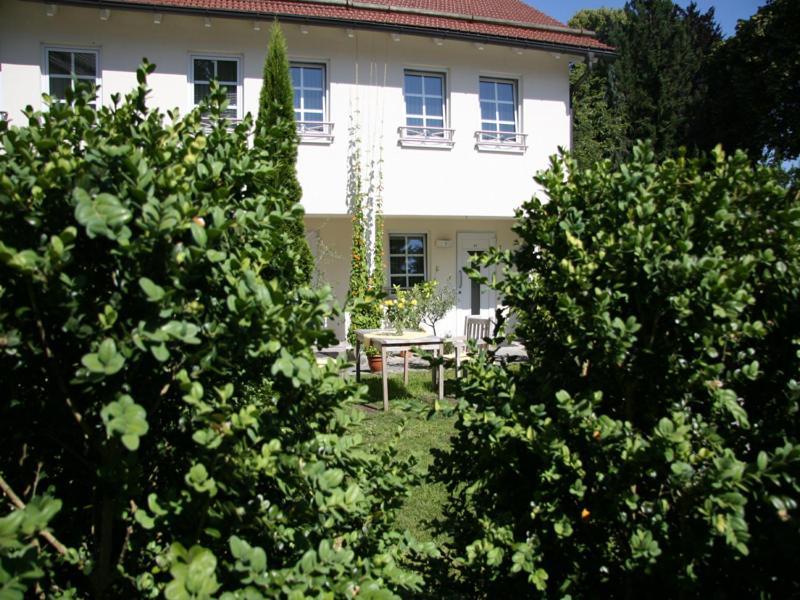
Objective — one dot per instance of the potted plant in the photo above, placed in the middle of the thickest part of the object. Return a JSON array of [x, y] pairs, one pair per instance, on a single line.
[[433, 302]]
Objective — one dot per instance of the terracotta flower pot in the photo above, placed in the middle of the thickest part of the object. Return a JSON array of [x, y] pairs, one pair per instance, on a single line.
[[375, 362]]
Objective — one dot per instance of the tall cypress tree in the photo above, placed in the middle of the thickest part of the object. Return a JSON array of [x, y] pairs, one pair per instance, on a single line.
[[276, 132]]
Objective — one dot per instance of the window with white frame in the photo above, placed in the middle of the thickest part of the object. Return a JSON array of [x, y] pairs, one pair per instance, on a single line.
[[498, 98], [310, 99], [223, 70], [65, 66], [406, 259], [425, 104]]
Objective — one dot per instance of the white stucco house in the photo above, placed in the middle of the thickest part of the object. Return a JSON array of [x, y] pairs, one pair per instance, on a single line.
[[464, 99]]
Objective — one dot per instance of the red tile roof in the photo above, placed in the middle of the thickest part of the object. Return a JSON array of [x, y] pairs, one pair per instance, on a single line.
[[507, 21]]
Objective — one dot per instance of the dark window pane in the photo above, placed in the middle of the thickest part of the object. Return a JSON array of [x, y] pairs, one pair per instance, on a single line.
[[416, 280], [488, 110], [203, 69], [59, 63], [312, 77], [433, 86], [507, 127], [505, 112], [433, 107], [59, 86], [401, 281], [295, 76], [474, 297], [413, 105], [85, 64], [296, 99], [397, 265], [415, 245], [413, 121], [435, 123], [397, 244], [413, 84], [489, 126], [415, 265], [314, 116], [201, 90], [313, 99], [487, 90], [232, 97], [226, 71], [505, 92]]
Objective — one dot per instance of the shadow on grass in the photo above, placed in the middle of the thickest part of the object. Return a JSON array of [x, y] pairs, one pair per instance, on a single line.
[[419, 393]]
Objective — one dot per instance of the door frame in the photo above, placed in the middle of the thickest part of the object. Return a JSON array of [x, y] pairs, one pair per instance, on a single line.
[[490, 237]]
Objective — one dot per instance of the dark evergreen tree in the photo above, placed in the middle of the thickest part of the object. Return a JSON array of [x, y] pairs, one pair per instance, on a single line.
[[276, 108], [756, 82], [658, 71]]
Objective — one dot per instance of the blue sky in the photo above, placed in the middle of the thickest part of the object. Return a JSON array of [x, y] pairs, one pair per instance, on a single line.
[[727, 12]]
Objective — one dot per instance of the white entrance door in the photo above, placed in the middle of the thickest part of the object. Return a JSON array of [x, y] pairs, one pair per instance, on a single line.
[[473, 299]]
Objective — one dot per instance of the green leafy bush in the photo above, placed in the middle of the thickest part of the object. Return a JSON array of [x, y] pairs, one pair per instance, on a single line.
[[157, 373], [650, 447]]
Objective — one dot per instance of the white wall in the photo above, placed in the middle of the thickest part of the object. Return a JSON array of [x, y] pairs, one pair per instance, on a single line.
[[333, 236], [365, 71]]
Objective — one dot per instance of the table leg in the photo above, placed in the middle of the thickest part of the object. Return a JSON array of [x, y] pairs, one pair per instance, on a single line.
[[434, 351], [358, 359], [441, 373], [384, 369], [405, 368]]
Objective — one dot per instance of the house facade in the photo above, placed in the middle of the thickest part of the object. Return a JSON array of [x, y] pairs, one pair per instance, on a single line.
[[453, 105]]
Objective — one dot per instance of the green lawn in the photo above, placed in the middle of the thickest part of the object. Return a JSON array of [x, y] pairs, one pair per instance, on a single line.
[[410, 407]]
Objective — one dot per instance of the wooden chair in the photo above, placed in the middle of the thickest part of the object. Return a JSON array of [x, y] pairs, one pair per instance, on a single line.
[[475, 329]]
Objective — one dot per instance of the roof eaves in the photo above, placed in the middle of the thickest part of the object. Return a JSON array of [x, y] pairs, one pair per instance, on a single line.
[[595, 46]]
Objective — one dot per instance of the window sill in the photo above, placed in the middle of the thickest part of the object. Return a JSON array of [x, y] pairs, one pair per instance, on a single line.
[[315, 140], [426, 143], [315, 132], [425, 137], [501, 148]]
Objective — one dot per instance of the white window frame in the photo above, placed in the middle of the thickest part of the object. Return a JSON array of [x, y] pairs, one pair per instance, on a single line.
[[405, 255], [497, 140], [98, 79], [217, 57], [425, 134], [314, 131]]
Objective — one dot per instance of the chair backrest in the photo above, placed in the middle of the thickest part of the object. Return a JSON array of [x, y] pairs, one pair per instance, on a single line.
[[477, 328]]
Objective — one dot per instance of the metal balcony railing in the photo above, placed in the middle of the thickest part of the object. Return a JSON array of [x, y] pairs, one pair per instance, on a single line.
[[501, 141], [319, 132], [418, 135], [206, 123]]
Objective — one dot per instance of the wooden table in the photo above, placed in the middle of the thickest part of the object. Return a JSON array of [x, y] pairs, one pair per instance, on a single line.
[[387, 341]]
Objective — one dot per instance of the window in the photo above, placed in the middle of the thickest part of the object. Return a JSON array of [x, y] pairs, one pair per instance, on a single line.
[[225, 71], [308, 82], [64, 66], [406, 259], [425, 106], [498, 99]]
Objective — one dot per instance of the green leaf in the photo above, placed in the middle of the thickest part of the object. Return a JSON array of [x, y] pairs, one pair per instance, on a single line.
[[102, 215], [145, 520], [106, 360], [126, 418], [198, 234], [154, 292], [160, 352]]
